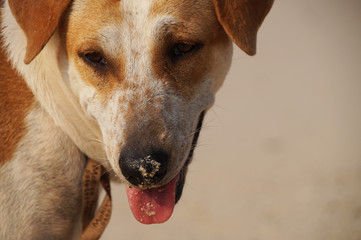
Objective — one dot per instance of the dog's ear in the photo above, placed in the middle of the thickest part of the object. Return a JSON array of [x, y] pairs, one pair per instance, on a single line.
[[241, 20], [38, 19]]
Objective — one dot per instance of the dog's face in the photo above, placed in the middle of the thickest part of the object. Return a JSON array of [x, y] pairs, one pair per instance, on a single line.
[[146, 71]]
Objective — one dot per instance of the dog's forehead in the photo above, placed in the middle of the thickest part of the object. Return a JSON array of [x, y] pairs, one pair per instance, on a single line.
[[140, 13], [190, 13], [150, 8]]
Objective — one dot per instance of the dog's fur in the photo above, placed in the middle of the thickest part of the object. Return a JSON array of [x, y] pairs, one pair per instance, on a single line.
[[56, 106]]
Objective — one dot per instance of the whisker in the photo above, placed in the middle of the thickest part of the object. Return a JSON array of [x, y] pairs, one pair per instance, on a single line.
[[220, 107], [191, 133], [95, 140], [102, 163], [108, 171], [217, 116]]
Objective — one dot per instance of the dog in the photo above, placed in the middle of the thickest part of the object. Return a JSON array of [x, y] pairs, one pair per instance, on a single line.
[[123, 82]]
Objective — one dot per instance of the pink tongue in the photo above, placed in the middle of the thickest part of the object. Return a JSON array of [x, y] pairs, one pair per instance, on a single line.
[[153, 205]]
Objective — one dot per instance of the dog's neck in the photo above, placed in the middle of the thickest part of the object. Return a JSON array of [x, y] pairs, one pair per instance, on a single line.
[[52, 92]]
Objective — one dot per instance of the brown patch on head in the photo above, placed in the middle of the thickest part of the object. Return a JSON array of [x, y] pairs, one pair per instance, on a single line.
[[15, 102], [195, 24], [81, 33]]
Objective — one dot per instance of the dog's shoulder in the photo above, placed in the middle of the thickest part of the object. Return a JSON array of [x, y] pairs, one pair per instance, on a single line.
[[15, 102]]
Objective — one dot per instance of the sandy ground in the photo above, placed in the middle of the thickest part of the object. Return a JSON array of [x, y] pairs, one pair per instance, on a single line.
[[280, 154]]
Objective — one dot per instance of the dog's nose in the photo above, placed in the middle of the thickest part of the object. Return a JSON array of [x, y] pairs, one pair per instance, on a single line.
[[144, 170]]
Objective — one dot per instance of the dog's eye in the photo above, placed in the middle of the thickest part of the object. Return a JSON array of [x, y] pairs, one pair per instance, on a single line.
[[182, 48], [94, 58]]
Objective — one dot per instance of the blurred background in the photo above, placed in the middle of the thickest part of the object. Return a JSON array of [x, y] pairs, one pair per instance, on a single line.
[[280, 154]]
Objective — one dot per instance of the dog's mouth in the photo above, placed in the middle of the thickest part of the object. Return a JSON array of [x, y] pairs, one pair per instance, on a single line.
[[155, 205]]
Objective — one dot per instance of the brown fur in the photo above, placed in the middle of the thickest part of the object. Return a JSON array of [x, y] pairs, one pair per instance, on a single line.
[[73, 33], [15, 102], [241, 20]]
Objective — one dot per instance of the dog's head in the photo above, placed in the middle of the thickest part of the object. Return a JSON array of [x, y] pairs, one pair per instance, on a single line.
[[146, 71]]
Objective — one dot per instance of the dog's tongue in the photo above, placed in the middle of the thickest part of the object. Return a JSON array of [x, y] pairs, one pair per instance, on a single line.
[[153, 205]]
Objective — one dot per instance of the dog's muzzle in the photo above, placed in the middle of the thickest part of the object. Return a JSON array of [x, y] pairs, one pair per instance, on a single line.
[[150, 201]]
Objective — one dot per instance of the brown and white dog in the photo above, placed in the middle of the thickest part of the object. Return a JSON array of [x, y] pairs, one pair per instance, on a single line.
[[124, 82]]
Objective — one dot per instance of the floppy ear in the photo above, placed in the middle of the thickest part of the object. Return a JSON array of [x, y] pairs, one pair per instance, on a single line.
[[241, 20], [38, 19]]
